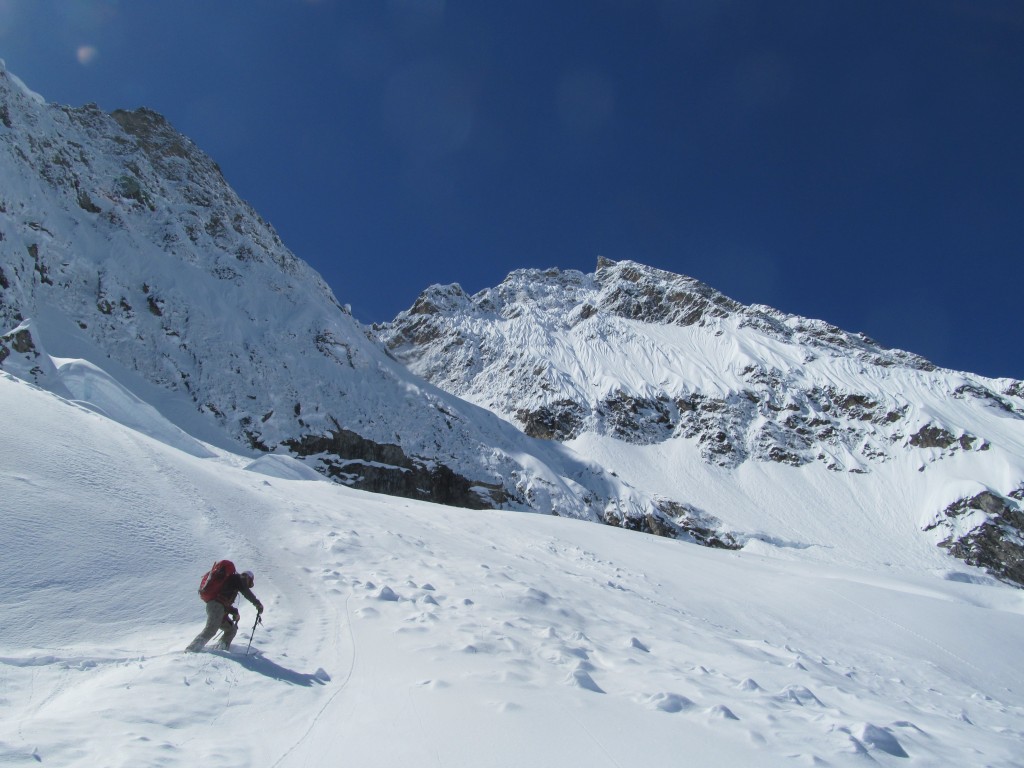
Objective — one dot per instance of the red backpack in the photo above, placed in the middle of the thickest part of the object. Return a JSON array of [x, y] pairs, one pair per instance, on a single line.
[[214, 579]]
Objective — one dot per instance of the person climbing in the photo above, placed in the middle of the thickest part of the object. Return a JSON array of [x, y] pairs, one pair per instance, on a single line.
[[218, 589]]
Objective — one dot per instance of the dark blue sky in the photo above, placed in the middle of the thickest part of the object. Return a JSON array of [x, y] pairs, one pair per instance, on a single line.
[[860, 161]]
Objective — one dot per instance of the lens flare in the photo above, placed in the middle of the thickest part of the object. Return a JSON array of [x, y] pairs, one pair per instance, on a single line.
[[86, 54]]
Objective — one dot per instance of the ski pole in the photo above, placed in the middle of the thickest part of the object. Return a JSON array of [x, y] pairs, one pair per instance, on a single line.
[[259, 620]]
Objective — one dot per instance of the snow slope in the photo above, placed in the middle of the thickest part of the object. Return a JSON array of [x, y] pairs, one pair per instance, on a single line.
[[403, 633]]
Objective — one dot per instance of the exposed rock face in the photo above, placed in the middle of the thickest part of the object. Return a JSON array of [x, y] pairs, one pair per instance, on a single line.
[[561, 420], [23, 356], [685, 521], [986, 530], [364, 464], [932, 436], [19, 341], [652, 296]]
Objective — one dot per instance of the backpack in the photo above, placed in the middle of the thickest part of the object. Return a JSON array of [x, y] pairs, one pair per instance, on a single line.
[[213, 581]]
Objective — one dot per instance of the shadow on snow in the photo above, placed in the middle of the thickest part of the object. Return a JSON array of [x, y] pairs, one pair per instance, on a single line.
[[257, 662]]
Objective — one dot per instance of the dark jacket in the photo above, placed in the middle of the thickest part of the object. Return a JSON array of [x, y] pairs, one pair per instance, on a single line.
[[232, 586]]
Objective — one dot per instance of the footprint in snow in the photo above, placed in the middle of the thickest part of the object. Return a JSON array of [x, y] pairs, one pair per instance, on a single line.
[[432, 684]]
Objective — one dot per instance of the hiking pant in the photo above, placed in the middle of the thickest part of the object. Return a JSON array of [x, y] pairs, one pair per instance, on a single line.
[[217, 618]]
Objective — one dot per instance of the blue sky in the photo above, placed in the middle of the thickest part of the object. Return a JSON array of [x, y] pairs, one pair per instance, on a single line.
[[860, 162]]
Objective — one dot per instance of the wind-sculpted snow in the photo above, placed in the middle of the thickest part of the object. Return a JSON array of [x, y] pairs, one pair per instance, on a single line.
[[403, 633], [635, 358], [124, 246]]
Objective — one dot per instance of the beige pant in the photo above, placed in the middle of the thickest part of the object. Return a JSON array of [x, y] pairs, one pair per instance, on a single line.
[[217, 618]]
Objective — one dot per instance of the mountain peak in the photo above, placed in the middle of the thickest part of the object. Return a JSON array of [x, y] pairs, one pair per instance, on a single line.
[[152, 130], [440, 298], [644, 293], [646, 368]]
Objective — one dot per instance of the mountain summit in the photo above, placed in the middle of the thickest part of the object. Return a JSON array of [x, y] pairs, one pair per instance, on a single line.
[[681, 389]]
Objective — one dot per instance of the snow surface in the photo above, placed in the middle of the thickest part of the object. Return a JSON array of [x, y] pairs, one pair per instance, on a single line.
[[404, 633]]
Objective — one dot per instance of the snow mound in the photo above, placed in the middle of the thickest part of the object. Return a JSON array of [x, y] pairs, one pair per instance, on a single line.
[[283, 468]]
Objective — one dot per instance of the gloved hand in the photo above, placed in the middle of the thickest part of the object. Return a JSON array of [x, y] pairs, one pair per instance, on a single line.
[[233, 612], [259, 608]]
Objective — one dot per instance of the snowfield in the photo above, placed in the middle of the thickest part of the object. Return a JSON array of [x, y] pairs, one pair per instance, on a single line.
[[400, 633]]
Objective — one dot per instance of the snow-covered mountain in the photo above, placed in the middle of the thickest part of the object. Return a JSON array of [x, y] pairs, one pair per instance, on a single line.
[[122, 245], [172, 378], [630, 396], [402, 633], [750, 415]]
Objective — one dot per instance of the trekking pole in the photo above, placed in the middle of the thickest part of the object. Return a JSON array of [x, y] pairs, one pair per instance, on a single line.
[[259, 620]]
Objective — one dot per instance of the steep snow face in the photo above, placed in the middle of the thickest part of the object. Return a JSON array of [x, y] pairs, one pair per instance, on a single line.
[[122, 226], [629, 360], [125, 247]]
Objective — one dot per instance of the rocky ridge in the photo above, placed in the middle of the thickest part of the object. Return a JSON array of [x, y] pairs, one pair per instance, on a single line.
[[645, 357], [558, 354]]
